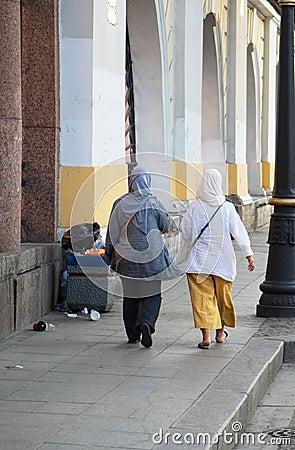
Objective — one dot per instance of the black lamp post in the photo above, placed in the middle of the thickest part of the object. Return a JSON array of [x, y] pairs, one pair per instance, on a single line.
[[278, 298]]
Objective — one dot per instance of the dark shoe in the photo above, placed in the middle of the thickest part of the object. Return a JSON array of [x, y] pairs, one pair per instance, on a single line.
[[133, 341], [146, 338], [220, 341], [203, 346]]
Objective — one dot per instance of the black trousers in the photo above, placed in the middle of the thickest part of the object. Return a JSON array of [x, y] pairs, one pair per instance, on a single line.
[[141, 304]]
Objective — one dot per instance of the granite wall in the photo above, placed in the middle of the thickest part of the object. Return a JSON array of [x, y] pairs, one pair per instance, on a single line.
[[29, 285], [10, 126], [40, 120]]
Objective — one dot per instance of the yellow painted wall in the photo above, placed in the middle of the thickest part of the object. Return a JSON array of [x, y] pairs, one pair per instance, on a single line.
[[110, 183], [185, 180], [237, 179], [87, 193], [72, 180], [268, 169]]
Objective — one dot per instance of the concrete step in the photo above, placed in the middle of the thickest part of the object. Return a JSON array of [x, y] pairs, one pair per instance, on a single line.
[[226, 407], [273, 423]]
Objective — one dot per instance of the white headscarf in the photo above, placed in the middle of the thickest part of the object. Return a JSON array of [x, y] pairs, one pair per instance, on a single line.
[[210, 189]]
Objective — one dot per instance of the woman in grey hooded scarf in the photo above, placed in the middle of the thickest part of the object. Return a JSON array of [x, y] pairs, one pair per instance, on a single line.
[[135, 249]]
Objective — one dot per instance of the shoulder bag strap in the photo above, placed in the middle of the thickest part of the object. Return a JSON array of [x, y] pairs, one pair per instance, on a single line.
[[130, 218], [204, 228], [127, 223]]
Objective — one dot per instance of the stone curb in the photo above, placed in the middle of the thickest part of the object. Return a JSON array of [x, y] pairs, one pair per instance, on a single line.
[[231, 399], [249, 374], [289, 352]]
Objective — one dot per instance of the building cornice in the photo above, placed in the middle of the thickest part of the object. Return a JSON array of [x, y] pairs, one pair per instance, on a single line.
[[276, 5], [269, 8]]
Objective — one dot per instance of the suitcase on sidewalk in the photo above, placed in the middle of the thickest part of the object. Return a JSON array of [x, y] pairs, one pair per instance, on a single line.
[[90, 283]]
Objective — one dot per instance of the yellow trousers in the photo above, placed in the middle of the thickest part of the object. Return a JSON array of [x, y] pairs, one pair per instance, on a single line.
[[211, 301]]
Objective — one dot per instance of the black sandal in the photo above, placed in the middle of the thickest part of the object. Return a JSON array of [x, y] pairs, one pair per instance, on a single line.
[[220, 341], [203, 346]]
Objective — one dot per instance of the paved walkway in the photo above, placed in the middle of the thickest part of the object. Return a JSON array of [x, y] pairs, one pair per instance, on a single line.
[[273, 423], [82, 386]]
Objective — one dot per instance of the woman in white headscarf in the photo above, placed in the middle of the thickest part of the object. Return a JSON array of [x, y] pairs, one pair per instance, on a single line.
[[211, 268]]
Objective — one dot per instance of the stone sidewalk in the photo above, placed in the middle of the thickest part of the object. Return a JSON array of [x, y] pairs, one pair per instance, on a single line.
[[273, 423], [83, 387]]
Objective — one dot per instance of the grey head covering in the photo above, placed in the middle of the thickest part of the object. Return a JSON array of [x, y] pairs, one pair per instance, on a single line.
[[138, 199]]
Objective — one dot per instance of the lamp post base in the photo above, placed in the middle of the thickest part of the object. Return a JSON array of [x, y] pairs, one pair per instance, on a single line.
[[278, 289], [276, 305]]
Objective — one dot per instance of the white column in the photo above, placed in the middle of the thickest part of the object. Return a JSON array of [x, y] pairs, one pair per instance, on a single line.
[[178, 84], [269, 92], [147, 75], [237, 82], [108, 118], [163, 42], [76, 62], [193, 79]]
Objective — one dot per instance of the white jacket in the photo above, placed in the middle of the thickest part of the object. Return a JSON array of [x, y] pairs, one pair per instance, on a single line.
[[213, 253]]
